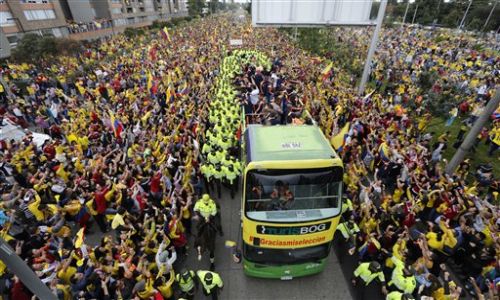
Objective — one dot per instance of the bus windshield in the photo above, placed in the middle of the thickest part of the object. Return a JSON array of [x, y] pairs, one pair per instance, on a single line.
[[293, 195]]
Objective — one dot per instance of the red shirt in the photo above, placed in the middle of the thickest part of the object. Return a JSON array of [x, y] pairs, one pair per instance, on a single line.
[[155, 184], [97, 178], [100, 200], [20, 292], [49, 151]]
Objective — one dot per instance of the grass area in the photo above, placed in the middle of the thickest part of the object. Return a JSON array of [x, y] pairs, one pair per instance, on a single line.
[[437, 125]]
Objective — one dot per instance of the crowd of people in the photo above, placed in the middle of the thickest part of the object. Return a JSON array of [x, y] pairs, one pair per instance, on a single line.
[[410, 222], [137, 131], [78, 27], [124, 155]]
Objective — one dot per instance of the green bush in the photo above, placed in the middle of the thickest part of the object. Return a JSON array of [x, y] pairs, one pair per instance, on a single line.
[[131, 32], [68, 47], [33, 48], [427, 79], [439, 39], [478, 47]]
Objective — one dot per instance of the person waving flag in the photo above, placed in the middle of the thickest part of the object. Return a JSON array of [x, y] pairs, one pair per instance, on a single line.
[[164, 33]]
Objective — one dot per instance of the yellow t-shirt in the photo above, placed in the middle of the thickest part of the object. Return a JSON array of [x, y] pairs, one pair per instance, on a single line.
[[66, 274]]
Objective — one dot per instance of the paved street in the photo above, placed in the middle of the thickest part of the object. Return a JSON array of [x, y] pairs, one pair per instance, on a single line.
[[329, 284]]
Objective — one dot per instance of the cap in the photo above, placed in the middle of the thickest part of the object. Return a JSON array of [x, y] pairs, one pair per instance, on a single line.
[[407, 297], [208, 277], [374, 266], [205, 197]]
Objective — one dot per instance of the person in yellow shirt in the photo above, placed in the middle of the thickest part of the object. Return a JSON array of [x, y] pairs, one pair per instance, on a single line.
[[494, 138], [35, 206]]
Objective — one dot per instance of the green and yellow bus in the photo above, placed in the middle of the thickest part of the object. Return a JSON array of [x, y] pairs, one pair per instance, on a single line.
[[291, 201]]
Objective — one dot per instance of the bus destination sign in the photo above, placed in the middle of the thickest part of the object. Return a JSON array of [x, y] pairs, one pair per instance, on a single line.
[[293, 230]]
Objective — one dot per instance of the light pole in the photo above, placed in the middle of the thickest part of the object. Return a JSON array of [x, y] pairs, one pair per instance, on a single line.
[[489, 16], [406, 12], [462, 23], [471, 137], [19, 268], [414, 14], [373, 46]]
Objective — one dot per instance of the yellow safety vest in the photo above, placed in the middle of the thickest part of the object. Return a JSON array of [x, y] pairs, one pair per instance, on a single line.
[[185, 285], [216, 281], [364, 272], [206, 210]]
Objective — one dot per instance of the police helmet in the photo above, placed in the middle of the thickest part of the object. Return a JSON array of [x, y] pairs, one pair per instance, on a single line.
[[185, 274], [374, 267], [205, 198], [208, 278], [407, 297]]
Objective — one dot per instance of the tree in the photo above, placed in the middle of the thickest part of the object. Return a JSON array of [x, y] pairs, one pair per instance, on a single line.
[[33, 48], [248, 7], [68, 47], [195, 7], [47, 47], [213, 6], [27, 49], [447, 13]]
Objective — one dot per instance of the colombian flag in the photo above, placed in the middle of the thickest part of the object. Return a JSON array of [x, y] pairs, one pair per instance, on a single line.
[[384, 151], [152, 52], [338, 140], [327, 71], [164, 33], [116, 125], [150, 81], [80, 235]]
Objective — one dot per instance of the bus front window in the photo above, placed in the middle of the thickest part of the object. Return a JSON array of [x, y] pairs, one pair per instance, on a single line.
[[293, 195]]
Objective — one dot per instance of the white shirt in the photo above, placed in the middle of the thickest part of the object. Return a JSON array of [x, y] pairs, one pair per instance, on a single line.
[[254, 96]]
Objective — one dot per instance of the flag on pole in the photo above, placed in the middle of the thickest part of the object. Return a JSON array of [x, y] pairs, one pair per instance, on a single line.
[[152, 52], [326, 71], [150, 81], [116, 125], [164, 33], [384, 151], [338, 140], [80, 235], [185, 89]]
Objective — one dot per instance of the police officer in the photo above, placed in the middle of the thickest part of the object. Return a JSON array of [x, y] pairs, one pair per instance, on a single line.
[[206, 209], [219, 176], [187, 283], [207, 148], [367, 272], [231, 179], [208, 172], [211, 283], [213, 157], [397, 295], [402, 278], [349, 230]]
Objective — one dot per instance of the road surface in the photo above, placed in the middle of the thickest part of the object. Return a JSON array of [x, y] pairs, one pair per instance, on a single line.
[[329, 284]]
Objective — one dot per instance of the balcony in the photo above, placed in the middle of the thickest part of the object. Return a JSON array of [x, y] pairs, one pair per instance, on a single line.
[[36, 5], [35, 1], [90, 26]]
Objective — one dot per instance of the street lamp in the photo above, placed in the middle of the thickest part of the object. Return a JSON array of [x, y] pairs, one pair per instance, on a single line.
[[462, 23]]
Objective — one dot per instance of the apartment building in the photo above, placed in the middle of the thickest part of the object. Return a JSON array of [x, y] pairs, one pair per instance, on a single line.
[[44, 17], [80, 19], [126, 12]]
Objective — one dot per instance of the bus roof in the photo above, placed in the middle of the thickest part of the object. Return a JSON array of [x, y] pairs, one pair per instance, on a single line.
[[287, 142]]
